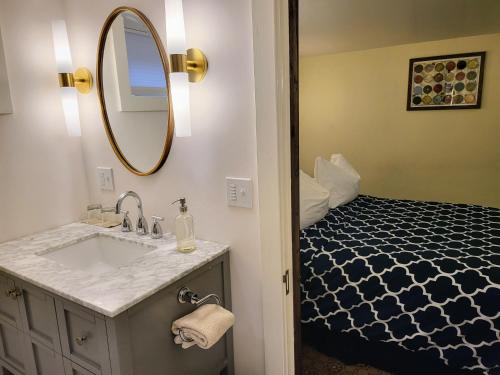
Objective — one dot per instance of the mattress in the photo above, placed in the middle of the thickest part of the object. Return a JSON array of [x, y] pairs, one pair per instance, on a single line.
[[422, 275]]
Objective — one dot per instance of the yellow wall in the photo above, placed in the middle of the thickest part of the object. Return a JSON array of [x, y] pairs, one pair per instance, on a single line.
[[355, 103]]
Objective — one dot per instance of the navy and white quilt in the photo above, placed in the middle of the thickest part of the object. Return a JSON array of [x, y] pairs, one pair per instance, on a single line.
[[422, 275]]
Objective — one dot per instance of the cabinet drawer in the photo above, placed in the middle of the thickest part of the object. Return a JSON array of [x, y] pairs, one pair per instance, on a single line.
[[14, 348], [74, 369], [38, 313], [9, 307], [83, 337], [45, 361]]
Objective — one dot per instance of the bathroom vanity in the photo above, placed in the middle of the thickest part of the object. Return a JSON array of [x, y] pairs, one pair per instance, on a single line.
[[84, 300]]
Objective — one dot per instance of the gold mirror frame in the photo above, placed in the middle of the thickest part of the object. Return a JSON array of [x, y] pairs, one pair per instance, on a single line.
[[100, 89]]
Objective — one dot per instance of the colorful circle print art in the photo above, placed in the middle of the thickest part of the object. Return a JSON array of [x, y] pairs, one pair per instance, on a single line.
[[446, 82]]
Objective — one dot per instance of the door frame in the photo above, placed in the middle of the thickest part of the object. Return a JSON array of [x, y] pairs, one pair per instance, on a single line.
[[293, 22], [275, 26]]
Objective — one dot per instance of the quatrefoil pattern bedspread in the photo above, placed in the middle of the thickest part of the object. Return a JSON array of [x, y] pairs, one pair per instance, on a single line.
[[422, 275]]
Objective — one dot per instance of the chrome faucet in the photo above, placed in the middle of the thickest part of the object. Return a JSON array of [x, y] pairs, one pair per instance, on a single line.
[[142, 224]]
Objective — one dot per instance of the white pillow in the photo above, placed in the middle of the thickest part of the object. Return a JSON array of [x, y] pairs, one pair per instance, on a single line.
[[313, 201], [339, 178]]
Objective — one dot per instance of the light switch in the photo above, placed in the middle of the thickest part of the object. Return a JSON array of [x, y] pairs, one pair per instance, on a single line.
[[239, 192], [105, 178]]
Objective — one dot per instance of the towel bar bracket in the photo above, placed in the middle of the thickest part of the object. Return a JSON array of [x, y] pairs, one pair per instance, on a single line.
[[186, 295]]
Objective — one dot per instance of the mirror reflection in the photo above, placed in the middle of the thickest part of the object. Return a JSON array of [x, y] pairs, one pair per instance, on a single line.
[[135, 93]]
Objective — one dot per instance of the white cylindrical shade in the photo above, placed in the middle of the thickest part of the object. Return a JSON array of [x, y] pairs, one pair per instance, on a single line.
[[179, 84], [176, 34], [179, 87], [69, 98], [61, 47]]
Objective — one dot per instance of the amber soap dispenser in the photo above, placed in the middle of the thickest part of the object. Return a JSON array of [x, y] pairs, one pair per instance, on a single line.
[[184, 228]]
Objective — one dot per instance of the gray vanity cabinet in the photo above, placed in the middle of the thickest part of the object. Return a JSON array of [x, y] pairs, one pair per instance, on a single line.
[[29, 335], [83, 337], [148, 328], [45, 361], [44, 334], [71, 368], [9, 308], [38, 315], [14, 349]]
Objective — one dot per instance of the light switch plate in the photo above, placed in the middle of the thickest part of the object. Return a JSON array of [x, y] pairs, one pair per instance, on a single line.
[[105, 178], [239, 192]]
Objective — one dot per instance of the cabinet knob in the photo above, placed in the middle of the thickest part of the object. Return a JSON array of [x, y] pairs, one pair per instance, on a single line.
[[80, 340], [13, 293]]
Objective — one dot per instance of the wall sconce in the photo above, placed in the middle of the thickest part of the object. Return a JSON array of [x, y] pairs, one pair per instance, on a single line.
[[188, 65], [80, 80]]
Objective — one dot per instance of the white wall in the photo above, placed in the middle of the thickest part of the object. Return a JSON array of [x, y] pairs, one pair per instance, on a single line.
[[42, 176], [223, 144]]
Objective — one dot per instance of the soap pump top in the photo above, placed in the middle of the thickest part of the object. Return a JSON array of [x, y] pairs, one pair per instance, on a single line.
[[182, 208]]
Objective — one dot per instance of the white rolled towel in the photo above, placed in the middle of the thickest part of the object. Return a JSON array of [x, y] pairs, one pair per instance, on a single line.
[[205, 326]]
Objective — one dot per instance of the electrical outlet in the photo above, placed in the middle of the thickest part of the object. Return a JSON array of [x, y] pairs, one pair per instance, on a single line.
[[239, 192], [105, 178]]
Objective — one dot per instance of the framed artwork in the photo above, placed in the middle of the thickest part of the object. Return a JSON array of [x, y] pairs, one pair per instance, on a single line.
[[446, 82]]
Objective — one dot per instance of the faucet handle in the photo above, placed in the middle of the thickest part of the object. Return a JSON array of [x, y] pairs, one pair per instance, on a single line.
[[156, 230], [142, 226], [126, 222]]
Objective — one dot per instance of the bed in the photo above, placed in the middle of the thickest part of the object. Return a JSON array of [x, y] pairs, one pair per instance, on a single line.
[[407, 286]]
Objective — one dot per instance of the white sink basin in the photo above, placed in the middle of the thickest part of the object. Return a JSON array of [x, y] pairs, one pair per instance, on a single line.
[[98, 254]]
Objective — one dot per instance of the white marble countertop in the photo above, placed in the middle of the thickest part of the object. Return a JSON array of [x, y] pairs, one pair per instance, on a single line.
[[108, 293]]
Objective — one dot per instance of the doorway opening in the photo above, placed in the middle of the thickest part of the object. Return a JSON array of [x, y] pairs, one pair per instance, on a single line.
[[395, 161]]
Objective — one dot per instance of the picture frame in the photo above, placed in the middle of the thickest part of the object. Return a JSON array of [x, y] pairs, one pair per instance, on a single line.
[[446, 82]]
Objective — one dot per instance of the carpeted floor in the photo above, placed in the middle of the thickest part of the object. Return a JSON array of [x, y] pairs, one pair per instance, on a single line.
[[315, 363]]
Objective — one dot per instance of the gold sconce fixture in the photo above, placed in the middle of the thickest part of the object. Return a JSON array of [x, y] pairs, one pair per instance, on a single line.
[[81, 79], [194, 63]]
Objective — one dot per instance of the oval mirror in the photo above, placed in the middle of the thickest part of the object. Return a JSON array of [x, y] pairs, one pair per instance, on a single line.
[[133, 89]]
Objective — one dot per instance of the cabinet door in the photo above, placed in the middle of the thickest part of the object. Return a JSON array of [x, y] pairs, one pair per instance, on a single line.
[[72, 368], [83, 337], [153, 347], [9, 307], [45, 361], [38, 314], [14, 348], [6, 369]]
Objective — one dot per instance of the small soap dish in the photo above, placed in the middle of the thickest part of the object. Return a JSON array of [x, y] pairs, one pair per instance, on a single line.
[[108, 224], [102, 217], [110, 218]]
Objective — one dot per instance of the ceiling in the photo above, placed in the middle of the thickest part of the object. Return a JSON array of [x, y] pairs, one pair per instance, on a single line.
[[333, 26]]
